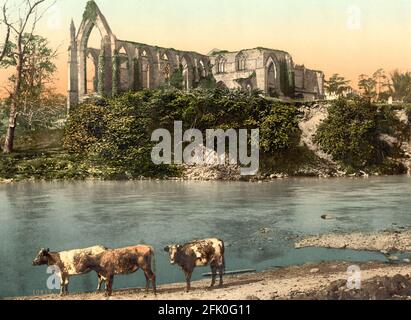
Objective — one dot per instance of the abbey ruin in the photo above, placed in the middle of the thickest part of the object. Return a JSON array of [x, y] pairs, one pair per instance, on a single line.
[[125, 65]]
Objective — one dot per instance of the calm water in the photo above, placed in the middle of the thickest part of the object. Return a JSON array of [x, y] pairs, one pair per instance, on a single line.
[[74, 215]]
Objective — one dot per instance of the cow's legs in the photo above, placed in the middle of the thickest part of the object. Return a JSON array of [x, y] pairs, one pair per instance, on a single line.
[[153, 281], [64, 285], [188, 275], [213, 273], [100, 282], [109, 285], [147, 281], [221, 271], [150, 276]]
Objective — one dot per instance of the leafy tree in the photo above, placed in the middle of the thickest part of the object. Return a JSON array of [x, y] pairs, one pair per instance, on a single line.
[[27, 19], [368, 86], [401, 85], [352, 133], [279, 129], [337, 85], [382, 84], [39, 104]]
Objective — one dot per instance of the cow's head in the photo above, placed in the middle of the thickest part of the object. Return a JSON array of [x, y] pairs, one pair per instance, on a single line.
[[173, 251], [42, 257]]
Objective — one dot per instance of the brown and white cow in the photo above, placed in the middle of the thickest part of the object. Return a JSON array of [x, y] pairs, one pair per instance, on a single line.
[[199, 253], [120, 261], [65, 261]]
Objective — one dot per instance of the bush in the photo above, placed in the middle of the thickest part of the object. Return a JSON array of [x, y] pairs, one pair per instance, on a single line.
[[279, 129], [352, 133], [117, 131]]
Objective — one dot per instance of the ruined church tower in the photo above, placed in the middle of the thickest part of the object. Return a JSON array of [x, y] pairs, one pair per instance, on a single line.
[[73, 94]]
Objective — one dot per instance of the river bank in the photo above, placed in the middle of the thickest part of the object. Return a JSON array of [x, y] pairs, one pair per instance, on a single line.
[[222, 174], [310, 281]]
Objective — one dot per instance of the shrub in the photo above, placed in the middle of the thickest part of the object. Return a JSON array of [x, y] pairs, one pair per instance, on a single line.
[[117, 132], [352, 133], [279, 129]]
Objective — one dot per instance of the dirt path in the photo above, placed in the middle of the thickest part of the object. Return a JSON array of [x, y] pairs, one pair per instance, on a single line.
[[286, 283]]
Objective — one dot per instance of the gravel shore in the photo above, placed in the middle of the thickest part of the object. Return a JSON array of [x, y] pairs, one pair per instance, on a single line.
[[310, 281]]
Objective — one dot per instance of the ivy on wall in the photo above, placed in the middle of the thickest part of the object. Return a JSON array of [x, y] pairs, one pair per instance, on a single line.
[[136, 75], [116, 74], [177, 78], [286, 79], [91, 11], [101, 73]]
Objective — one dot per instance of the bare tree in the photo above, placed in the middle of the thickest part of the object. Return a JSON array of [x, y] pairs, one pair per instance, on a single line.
[[22, 27], [8, 31]]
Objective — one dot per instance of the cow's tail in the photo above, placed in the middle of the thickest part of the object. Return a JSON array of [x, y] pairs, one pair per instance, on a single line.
[[153, 260], [223, 253]]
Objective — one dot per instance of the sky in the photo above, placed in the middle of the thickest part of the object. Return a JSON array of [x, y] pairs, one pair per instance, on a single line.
[[349, 37]]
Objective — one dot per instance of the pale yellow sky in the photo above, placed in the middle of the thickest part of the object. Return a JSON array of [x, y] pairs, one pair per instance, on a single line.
[[349, 37]]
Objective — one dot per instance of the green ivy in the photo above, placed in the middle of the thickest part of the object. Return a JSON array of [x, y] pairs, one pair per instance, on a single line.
[[101, 73], [136, 75], [91, 11], [286, 79], [177, 79], [116, 74]]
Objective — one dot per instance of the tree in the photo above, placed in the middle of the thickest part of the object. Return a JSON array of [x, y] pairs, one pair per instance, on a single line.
[[25, 23], [38, 103], [337, 85], [368, 86], [7, 37], [401, 85], [352, 133], [382, 83]]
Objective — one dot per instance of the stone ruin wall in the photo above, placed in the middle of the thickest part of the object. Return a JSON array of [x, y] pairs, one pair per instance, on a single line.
[[124, 65]]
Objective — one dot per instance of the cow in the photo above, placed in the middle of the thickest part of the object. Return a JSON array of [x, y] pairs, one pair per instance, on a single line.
[[65, 261], [120, 261], [199, 253]]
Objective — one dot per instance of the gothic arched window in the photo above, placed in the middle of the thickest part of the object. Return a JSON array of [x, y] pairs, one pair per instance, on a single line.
[[221, 64], [241, 62]]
